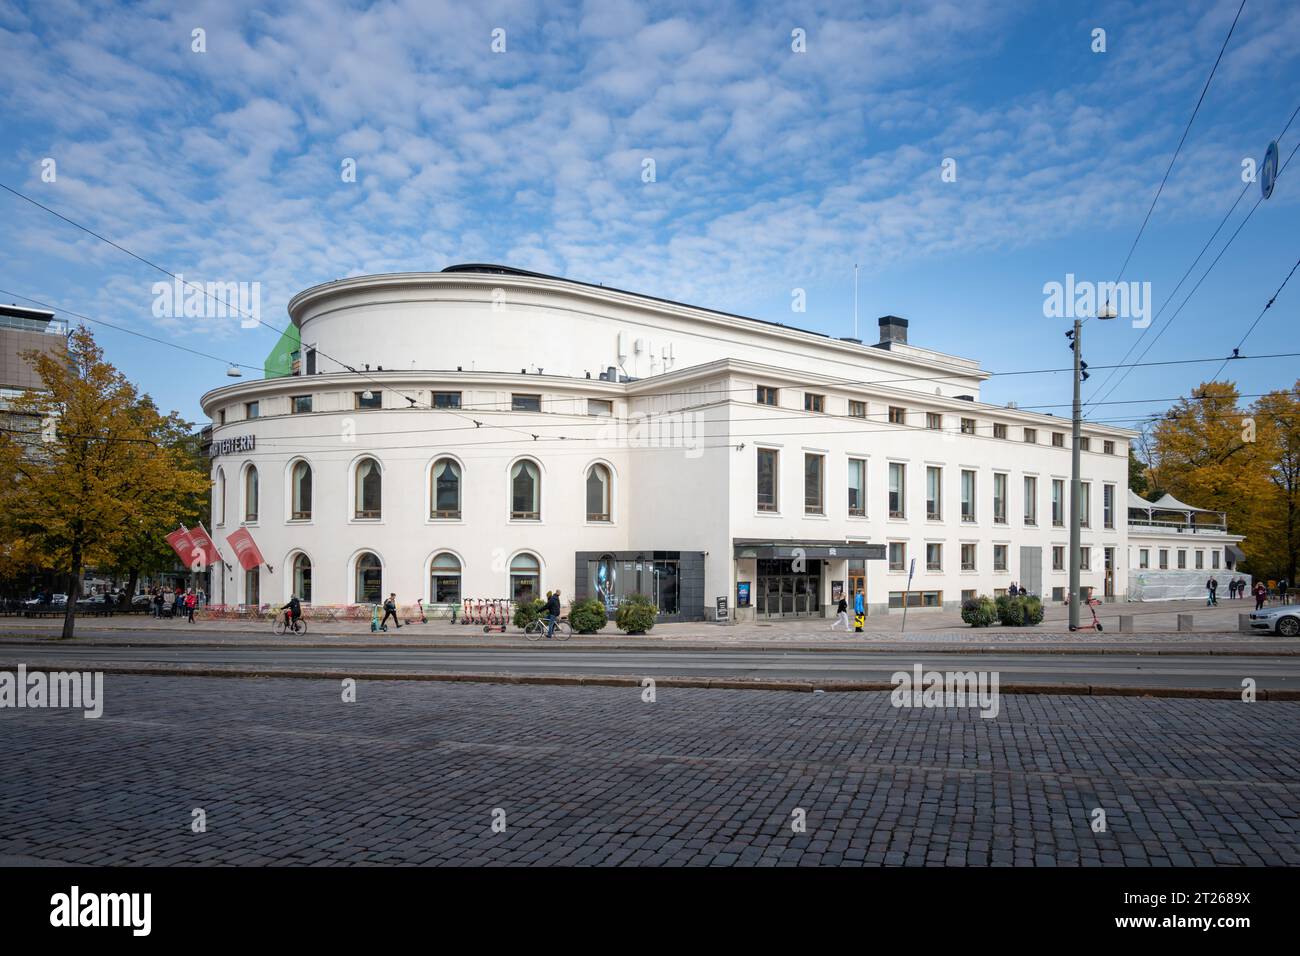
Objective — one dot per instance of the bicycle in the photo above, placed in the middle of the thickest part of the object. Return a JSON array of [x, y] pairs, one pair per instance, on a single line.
[[536, 630], [278, 628]]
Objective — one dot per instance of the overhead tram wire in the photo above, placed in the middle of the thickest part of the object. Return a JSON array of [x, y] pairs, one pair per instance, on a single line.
[[1206, 246], [1234, 357], [1186, 129], [1210, 268]]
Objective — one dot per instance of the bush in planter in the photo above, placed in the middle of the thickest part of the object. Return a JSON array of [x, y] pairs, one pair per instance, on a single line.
[[528, 611], [636, 615], [1011, 611], [588, 617], [1033, 610], [979, 611]]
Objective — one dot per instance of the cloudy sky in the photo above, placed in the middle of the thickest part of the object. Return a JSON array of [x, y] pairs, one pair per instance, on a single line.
[[774, 170]]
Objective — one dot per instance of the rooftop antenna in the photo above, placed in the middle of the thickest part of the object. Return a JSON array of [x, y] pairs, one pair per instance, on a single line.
[[855, 300]]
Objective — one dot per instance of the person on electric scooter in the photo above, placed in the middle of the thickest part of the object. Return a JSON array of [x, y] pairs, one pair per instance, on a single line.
[[292, 612]]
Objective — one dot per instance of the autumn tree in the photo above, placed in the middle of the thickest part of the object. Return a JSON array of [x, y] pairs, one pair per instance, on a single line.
[[103, 466], [1276, 420]]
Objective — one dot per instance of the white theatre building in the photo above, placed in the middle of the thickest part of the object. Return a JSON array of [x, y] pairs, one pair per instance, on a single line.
[[507, 433]]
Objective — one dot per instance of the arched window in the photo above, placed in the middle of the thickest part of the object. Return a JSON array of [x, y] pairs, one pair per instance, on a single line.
[[445, 489], [302, 578], [370, 489], [370, 579], [444, 579], [219, 506], [250, 493], [525, 491], [525, 577], [300, 491], [598, 484]]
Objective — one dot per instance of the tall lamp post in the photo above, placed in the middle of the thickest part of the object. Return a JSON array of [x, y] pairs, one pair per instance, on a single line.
[[1076, 487]]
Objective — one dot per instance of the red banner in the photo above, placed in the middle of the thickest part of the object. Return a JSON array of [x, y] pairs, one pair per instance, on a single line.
[[202, 542], [246, 552], [181, 544]]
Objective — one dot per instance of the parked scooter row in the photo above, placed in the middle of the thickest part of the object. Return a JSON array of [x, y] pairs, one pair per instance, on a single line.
[[492, 613]]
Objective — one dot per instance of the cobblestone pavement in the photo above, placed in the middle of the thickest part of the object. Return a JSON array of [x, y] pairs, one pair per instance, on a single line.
[[411, 773]]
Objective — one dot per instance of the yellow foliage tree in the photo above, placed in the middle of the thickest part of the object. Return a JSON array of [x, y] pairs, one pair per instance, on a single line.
[[103, 462]]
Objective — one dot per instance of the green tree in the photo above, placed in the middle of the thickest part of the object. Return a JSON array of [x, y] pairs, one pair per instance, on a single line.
[[103, 467]]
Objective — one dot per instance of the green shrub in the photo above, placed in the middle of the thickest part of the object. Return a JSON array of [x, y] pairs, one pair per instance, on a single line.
[[588, 617], [1011, 611], [528, 611], [1033, 610], [979, 611], [636, 615]]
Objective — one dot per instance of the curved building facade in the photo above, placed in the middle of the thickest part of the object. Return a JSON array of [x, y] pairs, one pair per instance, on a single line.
[[483, 432]]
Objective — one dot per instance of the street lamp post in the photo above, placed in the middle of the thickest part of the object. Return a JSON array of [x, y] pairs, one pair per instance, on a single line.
[[1076, 485]]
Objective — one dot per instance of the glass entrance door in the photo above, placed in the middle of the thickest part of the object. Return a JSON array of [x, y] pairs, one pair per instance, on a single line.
[[783, 592]]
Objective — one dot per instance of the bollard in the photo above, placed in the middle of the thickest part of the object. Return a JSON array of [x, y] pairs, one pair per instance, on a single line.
[[1126, 623], [1185, 622], [1243, 624]]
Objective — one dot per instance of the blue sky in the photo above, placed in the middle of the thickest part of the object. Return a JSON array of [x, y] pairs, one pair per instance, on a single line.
[[774, 170]]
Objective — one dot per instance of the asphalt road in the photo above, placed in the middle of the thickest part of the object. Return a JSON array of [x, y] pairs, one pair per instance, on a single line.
[[1132, 670]]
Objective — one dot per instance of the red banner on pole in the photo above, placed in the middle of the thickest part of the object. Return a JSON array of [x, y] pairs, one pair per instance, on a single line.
[[181, 544], [246, 552], [202, 541]]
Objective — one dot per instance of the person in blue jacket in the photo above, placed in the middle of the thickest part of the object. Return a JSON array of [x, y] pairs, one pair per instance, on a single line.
[[859, 612]]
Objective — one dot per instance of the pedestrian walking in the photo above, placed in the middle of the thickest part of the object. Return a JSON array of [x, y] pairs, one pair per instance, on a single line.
[[1261, 594], [1281, 590], [859, 612], [1212, 586], [390, 610], [842, 615], [191, 599]]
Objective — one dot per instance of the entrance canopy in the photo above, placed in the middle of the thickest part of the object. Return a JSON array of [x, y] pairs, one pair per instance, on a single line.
[[813, 550]]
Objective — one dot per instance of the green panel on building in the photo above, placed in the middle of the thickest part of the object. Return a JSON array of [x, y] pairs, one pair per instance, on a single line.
[[280, 362]]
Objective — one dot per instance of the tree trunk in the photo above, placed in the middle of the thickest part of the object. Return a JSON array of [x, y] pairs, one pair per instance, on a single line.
[[74, 592], [132, 582]]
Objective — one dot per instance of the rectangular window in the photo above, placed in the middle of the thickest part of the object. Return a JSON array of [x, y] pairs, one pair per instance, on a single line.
[[1058, 502], [766, 395], [1108, 506], [857, 487], [1058, 439], [446, 399], [813, 484], [1031, 500], [768, 462], [1214, 560], [252, 409], [813, 402], [600, 407], [999, 499], [897, 416], [897, 490], [967, 495], [301, 404], [1058, 594], [934, 493], [1058, 558], [1144, 558], [525, 403], [999, 431], [968, 595], [857, 409], [934, 557], [916, 598], [1164, 559], [968, 426], [1085, 559], [1108, 447], [934, 421], [1085, 504], [897, 556], [1085, 444], [999, 557], [367, 399], [968, 557], [1200, 560], [1031, 436], [1182, 559]]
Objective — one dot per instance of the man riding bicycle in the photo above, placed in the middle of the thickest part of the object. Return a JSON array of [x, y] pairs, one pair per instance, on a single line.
[[552, 613], [292, 612]]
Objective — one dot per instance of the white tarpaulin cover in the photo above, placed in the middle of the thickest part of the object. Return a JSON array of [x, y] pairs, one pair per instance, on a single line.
[[1149, 585], [1168, 502]]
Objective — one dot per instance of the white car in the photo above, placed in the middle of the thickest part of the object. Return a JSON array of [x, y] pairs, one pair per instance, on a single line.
[[1283, 620]]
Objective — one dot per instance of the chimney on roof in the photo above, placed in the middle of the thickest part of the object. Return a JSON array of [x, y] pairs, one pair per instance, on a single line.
[[892, 329]]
